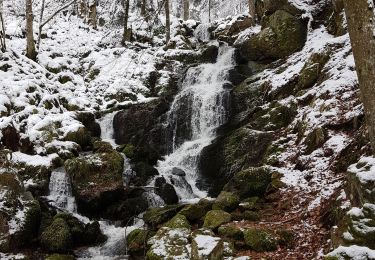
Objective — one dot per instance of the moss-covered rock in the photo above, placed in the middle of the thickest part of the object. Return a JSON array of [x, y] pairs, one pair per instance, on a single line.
[[57, 237], [80, 136], [169, 244], [178, 221], [249, 204], [206, 247], [216, 218], [282, 34], [195, 212], [315, 139], [230, 231], [227, 201], [260, 240], [137, 241], [251, 215], [250, 182], [154, 217], [96, 179], [102, 147]]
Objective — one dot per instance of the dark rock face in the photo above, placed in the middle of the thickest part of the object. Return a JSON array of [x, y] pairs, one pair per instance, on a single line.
[[282, 34], [88, 120], [11, 138], [126, 209], [166, 191]]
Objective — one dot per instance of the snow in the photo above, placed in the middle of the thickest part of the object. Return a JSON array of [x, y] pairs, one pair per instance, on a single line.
[[206, 244], [33, 160], [353, 252], [364, 169]]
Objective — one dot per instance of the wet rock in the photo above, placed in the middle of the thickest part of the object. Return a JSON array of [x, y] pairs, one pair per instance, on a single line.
[[250, 182], [88, 120], [195, 212], [10, 138], [181, 182], [166, 191], [216, 218], [154, 217], [125, 209], [282, 34], [260, 240], [227, 201], [178, 172], [169, 244], [144, 172], [96, 180], [136, 241]]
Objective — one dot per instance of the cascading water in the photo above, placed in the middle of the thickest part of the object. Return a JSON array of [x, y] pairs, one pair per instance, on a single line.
[[197, 111], [106, 127]]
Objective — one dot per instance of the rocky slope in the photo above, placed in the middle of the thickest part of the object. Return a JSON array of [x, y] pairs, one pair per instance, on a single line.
[[277, 168]]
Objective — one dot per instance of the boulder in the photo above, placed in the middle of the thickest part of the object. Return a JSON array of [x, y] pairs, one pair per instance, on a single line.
[[154, 217], [136, 241], [57, 237], [10, 138], [207, 247], [227, 201], [216, 218], [178, 221], [80, 136], [260, 240], [178, 172], [195, 212], [88, 120], [251, 182], [166, 191], [265, 8], [315, 139], [282, 34], [126, 208], [97, 180], [230, 231], [169, 244]]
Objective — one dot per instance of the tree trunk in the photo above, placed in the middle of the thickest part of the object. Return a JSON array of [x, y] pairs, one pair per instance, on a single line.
[[143, 8], [167, 22], [125, 33], [252, 12], [82, 8], [92, 14], [30, 44], [186, 10], [2, 29], [209, 11], [360, 18], [40, 23]]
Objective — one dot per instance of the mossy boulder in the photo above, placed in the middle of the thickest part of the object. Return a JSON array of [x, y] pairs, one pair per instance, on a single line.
[[102, 147], [80, 136], [227, 201], [216, 218], [137, 241], [96, 180], [154, 217], [260, 240], [57, 237], [315, 139], [178, 221], [251, 215], [195, 212], [230, 231], [88, 120], [282, 34], [169, 244], [249, 203], [250, 182]]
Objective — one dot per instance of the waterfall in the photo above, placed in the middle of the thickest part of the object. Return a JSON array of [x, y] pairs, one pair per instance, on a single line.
[[202, 32], [60, 191], [195, 114], [106, 127]]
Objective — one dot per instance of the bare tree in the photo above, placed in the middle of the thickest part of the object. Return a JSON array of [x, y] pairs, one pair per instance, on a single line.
[[125, 34], [167, 21], [209, 11], [143, 8], [186, 10], [92, 14], [82, 9], [252, 11], [40, 23], [2, 29], [360, 18], [30, 44]]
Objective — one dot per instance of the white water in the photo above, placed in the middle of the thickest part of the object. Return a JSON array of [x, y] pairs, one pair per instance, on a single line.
[[203, 88], [106, 126], [202, 32]]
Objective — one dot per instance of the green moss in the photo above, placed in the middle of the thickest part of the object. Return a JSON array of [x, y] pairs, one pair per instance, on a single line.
[[129, 150], [230, 231], [195, 212], [57, 237], [152, 256], [81, 137], [216, 218], [136, 240], [178, 221], [156, 216], [227, 201], [251, 215], [60, 257], [102, 147], [250, 203], [260, 240]]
